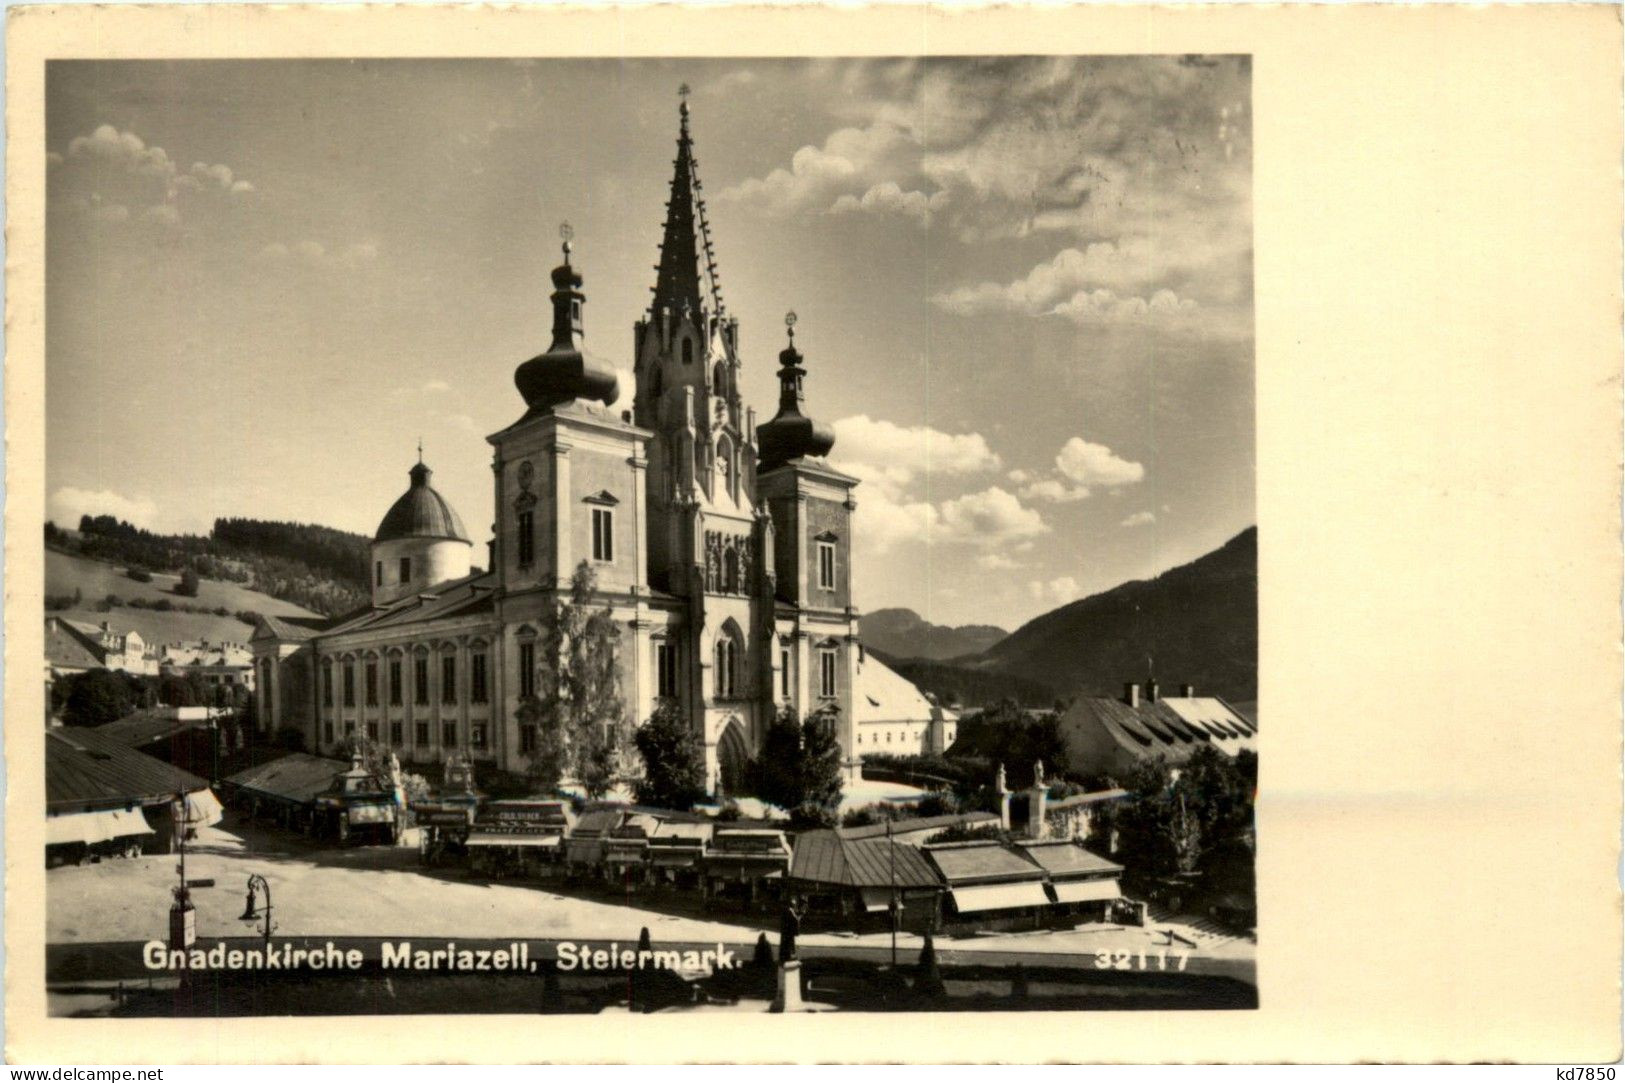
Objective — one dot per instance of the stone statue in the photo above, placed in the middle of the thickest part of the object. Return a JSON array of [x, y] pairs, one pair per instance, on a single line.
[[789, 928], [1038, 775], [999, 783]]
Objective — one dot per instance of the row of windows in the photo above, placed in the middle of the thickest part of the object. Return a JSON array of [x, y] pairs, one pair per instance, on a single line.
[[904, 737], [420, 733], [479, 685], [406, 571], [727, 671], [603, 536]]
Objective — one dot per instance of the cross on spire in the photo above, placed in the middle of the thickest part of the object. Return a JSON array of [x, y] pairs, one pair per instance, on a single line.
[[420, 449], [566, 233]]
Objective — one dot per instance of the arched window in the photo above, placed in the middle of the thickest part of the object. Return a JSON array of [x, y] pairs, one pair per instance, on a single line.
[[730, 570], [719, 379], [725, 464], [728, 654], [688, 351]]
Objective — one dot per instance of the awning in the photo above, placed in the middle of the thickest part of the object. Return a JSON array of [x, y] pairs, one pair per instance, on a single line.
[[669, 859], [1077, 891], [203, 809], [879, 898], [980, 897], [93, 827], [490, 838]]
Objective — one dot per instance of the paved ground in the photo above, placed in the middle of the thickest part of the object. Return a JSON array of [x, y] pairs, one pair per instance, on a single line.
[[382, 892]]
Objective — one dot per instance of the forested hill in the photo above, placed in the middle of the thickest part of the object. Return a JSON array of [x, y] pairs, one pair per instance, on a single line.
[[1198, 623], [322, 569]]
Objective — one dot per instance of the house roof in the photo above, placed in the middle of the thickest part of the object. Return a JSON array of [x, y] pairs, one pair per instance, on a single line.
[[469, 596], [1065, 859], [916, 825], [884, 695], [825, 857], [86, 769], [207, 654], [1173, 726], [66, 650], [297, 777], [294, 628], [144, 727], [981, 862]]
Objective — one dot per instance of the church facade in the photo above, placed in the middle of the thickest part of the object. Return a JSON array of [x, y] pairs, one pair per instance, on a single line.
[[723, 548]]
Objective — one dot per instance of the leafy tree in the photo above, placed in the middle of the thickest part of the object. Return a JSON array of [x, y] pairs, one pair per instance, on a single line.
[[1183, 816], [673, 760], [578, 705], [799, 769], [99, 696], [188, 585]]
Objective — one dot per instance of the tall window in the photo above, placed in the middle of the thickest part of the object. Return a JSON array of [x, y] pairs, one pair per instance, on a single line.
[[826, 565], [603, 534], [420, 681], [826, 673], [395, 683], [395, 733], [372, 684], [476, 678], [688, 351], [784, 672], [327, 732], [476, 735], [349, 684], [420, 732], [527, 540], [448, 679], [665, 668], [372, 731], [727, 664], [327, 684], [527, 738], [448, 734], [527, 670], [378, 573], [406, 569]]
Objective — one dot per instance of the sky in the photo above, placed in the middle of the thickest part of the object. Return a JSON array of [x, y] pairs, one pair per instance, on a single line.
[[1023, 288]]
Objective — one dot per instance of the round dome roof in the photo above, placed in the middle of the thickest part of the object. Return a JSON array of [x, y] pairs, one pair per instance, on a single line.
[[421, 513]]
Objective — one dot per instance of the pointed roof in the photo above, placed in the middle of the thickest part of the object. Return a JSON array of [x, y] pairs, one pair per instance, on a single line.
[[687, 236]]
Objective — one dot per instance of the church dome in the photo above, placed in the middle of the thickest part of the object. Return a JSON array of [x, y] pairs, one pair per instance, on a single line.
[[421, 513], [791, 434], [566, 371]]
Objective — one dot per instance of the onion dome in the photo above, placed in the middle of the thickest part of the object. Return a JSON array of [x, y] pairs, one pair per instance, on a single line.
[[421, 513], [566, 371], [791, 434]]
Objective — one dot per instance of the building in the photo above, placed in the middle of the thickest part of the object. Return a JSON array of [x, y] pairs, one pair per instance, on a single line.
[[991, 885], [852, 883], [73, 646], [191, 738], [1081, 883], [103, 797], [215, 663], [895, 717], [1107, 736], [918, 830], [723, 548]]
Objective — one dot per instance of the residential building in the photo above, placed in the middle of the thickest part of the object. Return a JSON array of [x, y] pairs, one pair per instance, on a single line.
[[1108, 736]]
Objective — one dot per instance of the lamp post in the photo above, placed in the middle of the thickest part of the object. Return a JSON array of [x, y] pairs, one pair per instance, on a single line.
[[250, 913]]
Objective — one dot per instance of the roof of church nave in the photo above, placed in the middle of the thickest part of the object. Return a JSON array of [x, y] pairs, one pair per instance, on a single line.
[[421, 512]]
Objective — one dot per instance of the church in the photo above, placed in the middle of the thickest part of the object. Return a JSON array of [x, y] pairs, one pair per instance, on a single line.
[[723, 548]]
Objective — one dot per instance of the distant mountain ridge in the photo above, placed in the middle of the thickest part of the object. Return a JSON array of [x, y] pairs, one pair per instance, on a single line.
[[903, 633], [1197, 623]]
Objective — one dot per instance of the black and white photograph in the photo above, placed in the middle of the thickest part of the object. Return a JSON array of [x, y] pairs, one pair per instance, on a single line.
[[540, 535]]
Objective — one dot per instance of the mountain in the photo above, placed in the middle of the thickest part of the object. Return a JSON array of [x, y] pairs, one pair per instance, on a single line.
[[903, 633], [967, 687], [1197, 622]]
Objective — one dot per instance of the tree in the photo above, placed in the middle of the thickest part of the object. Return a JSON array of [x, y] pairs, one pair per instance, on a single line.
[[98, 696], [673, 760], [799, 769], [1182, 816], [188, 585], [578, 706]]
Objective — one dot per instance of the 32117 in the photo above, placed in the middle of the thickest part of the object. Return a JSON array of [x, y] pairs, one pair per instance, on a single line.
[[1139, 960]]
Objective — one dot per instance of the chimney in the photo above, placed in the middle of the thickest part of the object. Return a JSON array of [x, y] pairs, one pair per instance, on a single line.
[[1188, 691], [1131, 694], [1151, 690], [491, 553]]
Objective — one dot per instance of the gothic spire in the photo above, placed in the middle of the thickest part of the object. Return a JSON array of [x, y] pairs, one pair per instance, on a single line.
[[686, 243]]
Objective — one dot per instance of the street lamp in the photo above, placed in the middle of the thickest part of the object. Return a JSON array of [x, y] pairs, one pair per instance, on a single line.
[[250, 913]]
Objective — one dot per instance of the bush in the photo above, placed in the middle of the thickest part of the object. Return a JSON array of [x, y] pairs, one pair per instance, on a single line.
[[140, 575], [810, 815], [673, 760], [188, 586]]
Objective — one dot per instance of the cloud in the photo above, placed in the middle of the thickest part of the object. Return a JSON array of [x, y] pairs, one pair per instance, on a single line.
[[436, 385], [995, 562], [887, 522], [1139, 518], [991, 517], [1096, 464], [731, 81], [851, 160], [1054, 491], [1074, 284], [888, 198], [121, 167], [163, 213], [890, 456], [67, 505], [462, 422], [1061, 589]]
